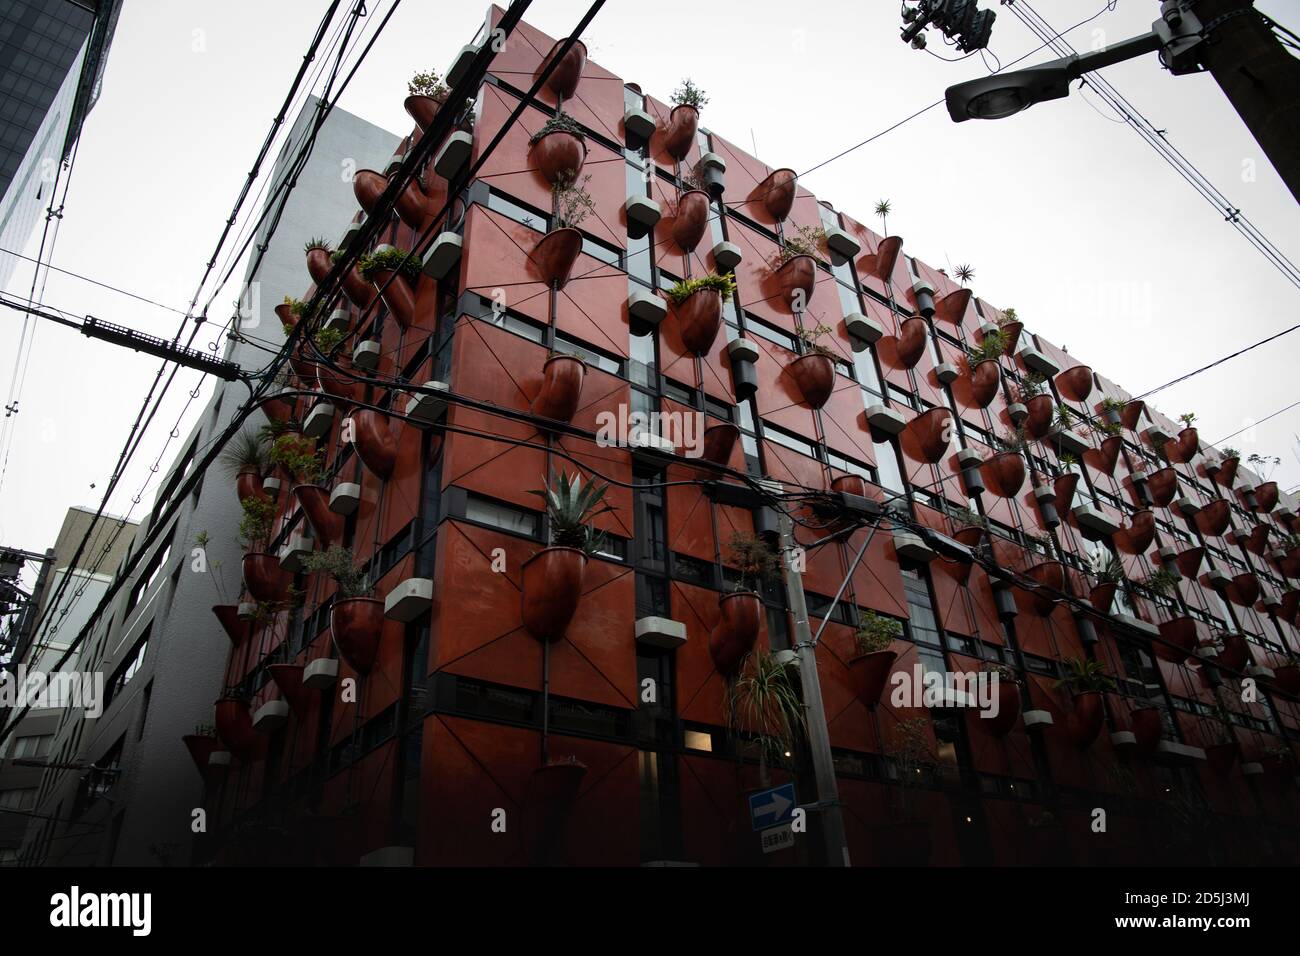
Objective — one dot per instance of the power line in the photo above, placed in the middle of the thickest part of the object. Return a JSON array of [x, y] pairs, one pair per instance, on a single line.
[[102, 285], [1253, 424], [1217, 362]]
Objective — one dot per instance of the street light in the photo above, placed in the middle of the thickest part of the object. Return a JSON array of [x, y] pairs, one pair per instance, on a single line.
[[1176, 35]]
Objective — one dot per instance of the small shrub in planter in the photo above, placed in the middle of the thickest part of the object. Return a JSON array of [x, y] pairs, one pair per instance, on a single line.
[[1086, 680], [993, 346], [762, 701], [807, 241], [356, 618], [297, 454], [561, 122], [427, 84], [688, 94], [407, 265], [685, 288], [741, 609], [573, 204], [869, 669], [699, 316]]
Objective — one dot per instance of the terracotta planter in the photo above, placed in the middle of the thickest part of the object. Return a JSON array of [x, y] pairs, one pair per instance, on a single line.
[[1065, 486], [248, 484], [1075, 383], [1042, 412], [985, 382], [1146, 726], [1182, 634], [1004, 474], [340, 382], [1189, 561], [1106, 455], [359, 292], [913, 335], [423, 109], [1257, 540], [552, 588], [679, 135], [881, 262], [951, 307], [564, 79], [552, 791], [960, 570], [1266, 496], [555, 254], [1185, 447], [850, 484], [559, 156], [719, 441], [1131, 413], [795, 278], [201, 750], [357, 626], [1008, 710], [1287, 679], [266, 582], [777, 193], [373, 438], [561, 389], [279, 409], [1290, 565], [368, 187], [1235, 654], [235, 727], [398, 295], [288, 677], [286, 315], [1084, 722], [1012, 331], [236, 628], [1102, 596], [1290, 606], [1221, 757], [1244, 589], [1212, 520], [692, 219], [1162, 485], [326, 524], [319, 264], [1140, 533], [1227, 473], [699, 317], [868, 674], [737, 628], [1050, 575], [928, 435], [815, 375]]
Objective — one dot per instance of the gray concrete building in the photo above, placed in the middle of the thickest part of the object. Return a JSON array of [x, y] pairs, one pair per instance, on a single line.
[[122, 787]]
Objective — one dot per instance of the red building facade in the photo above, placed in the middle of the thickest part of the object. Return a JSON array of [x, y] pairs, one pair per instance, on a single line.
[[434, 752]]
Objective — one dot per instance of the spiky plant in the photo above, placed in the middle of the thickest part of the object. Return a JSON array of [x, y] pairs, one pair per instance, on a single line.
[[570, 508], [764, 702], [246, 452], [965, 273], [1082, 675], [683, 289], [883, 209], [561, 122], [993, 346], [316, 242]]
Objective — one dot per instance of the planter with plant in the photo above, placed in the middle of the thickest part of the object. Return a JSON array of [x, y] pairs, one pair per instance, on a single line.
[[426, 95], [928, 436], [557, 251], [298, 456], [356, 618], [321, 261], [1185, 447], [1228, 463], [691, 220], [881, 262], [814, 371], [869, 668], [684, 120], [559, 148], [1041, 413], [393, 272], [776, 192], [1179, 636], [337, 375], [1049, 576], [984, 371], [561, 389], [1086, 680], [762, 701], [741, 609], [1009, 699], [1004, 471], [265, 580], [412, 205], [1221, 750], [552, 578], [911, 341], [245, 460], [288, 677], [1162, 486], [1110, 409], [234, 727], [566, 76], [1140, 533], [237, 628], [795, 266], [1105, 456], [1075, 384], [697, 304]]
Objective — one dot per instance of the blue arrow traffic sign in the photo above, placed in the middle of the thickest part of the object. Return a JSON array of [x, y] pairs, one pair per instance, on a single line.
[[769, 808]]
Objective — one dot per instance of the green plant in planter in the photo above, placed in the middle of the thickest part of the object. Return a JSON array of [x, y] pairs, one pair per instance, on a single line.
[[1111, 404], [246, 452], [994, 346], [1161, 582], [1187, 418], [205, 730], [806, 241], [683, 289], [883, 209], [327, 340], [1065, 416], [1082, 675], [340, 564], [965, 273], [1006, 675], [570, 508], [1007, 317], [876, 632], [316, 242], [255, 525], [573, 204], [1016, 441], [756, 562], [1066, 461], [1030, 385], [762, 700], [561, 122], [392, 259], [1264, 464], [1231, 453], [965, 518], [1103, 427], [297, 306], [426, 84], [811, 339], [297, 454], [1106, 567], [688, 94]]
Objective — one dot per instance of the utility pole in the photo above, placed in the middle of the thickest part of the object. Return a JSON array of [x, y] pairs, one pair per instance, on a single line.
[[1258, 76], [828, 795]]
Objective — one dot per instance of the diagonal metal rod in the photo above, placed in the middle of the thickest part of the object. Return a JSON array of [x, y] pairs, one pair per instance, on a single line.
[[844, 584]]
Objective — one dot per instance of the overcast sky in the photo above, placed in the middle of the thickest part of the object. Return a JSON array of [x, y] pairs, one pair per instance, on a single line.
[[1063, 212]]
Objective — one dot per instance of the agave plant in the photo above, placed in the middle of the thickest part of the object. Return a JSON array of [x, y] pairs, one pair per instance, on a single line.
[[763, 701], [1083, 675], [246, 452], [883, 210], [570, 508]]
